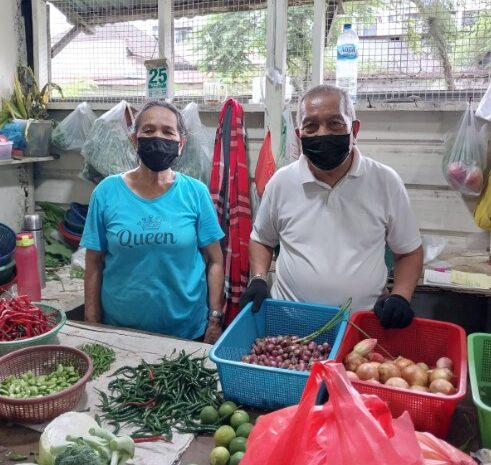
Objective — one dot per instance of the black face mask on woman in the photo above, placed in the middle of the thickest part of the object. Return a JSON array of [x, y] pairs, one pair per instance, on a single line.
[[157, 153], [326, 152]]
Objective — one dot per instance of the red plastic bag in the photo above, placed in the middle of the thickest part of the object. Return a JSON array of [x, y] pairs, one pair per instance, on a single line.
[[438, 452], [266, 165], [350, 429]]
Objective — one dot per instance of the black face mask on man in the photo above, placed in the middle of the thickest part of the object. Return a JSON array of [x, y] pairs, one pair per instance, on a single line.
[[326, 152], [157, 153]]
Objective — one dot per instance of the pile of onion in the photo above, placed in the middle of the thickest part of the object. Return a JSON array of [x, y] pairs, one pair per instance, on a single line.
[[364, 364], [286, 352]]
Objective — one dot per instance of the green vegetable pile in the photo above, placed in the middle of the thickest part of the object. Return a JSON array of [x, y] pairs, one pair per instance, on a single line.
[[57, 254], [157, 398], [30, 385], [102, 357]]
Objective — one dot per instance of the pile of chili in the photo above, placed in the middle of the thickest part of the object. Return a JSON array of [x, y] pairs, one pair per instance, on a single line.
[[156, 399], [21, 319]]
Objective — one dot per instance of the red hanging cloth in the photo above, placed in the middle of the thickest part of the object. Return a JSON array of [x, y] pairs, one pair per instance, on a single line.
[[229, 188]]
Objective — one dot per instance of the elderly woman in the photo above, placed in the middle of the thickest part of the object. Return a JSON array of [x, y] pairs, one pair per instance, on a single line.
[[154, 261]]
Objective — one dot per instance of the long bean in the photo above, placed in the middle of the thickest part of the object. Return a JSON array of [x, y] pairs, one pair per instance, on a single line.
[[158, 398]]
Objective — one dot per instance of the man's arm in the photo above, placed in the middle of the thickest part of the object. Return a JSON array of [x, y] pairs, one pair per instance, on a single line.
[[260, 257], [94, 264], [215, 279], [407, 271]]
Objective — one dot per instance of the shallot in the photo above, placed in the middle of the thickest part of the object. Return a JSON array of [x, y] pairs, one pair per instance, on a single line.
[[442, 386], [397, 383], [444, 362], [441, 373]]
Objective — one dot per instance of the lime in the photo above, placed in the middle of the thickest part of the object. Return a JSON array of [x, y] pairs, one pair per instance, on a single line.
[[236, 458], [224, 435], [227, 408], [239, 417], [219, 456], [208, 415], [244, 430], [237, 445]]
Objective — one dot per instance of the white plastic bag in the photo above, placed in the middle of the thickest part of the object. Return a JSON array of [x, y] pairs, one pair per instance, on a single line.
[[195, 159], [465, 158], [108, 149], [72, 132], [484, 108], [290, 147]]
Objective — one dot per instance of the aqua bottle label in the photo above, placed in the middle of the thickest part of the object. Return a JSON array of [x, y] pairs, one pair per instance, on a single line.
[[347, 52]]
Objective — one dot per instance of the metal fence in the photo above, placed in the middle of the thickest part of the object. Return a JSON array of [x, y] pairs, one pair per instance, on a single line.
[[418, 49]]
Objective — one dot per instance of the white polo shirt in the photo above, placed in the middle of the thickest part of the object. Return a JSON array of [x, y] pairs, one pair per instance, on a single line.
[[333, 239]]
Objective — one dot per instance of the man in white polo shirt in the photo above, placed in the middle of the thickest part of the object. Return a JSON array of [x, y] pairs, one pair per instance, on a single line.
[[332, 212]]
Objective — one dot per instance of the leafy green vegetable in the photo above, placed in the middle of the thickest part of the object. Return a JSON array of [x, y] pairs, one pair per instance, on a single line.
[[78, 455]]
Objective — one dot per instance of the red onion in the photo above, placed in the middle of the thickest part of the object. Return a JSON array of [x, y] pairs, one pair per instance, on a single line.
[[414, 374], [441, 373], [368, 370], [388, 370], [442, 386], [444, 362], [397, 383]]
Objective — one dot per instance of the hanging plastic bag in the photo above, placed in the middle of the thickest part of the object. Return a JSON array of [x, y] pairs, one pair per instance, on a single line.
[[438, 452], [465, 159], [195, 158], [484, 108], [349, 429], [289, 146], [265, 166], [72, 132], [108, 149]]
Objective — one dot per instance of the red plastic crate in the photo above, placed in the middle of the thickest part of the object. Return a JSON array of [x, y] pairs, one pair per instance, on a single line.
[[423, 341]]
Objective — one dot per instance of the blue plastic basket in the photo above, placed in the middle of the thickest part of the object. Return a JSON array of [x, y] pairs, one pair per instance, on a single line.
[[7, 244], [264, 387], [77, 213]]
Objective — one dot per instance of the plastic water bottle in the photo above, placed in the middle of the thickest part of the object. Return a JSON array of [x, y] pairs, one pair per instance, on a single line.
[[347, 61], [26, 262]]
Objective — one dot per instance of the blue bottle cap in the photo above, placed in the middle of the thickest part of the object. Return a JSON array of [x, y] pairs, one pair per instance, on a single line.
[[347, 26]]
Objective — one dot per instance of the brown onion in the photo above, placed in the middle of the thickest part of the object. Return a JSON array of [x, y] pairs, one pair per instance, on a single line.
[[352, 376], [353, 360], [442, 386], [403, 362], [368, 370], [416, 387], [423, 365], [388, 370], [397, 383], [414, 374], [441, 373], [444, 362]]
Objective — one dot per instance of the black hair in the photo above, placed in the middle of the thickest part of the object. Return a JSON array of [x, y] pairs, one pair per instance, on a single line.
[[181, 127]]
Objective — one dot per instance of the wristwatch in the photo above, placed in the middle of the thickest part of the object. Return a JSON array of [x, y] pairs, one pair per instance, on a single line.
[[216, 314], [261, 276]]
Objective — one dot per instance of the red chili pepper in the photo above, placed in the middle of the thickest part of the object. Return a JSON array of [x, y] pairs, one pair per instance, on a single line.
[[20, 319], [151, 375]]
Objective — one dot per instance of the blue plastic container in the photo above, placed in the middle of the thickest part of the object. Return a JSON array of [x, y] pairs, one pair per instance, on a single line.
[[264, 387]]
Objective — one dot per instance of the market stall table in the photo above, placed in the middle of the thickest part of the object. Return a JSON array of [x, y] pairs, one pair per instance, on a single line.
[[130, 347]]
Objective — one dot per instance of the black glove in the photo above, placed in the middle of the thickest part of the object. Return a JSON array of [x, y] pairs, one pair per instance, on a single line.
[[256, 292], [394, 311]]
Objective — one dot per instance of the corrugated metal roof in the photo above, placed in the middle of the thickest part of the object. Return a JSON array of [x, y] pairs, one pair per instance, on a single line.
[[92, 12]]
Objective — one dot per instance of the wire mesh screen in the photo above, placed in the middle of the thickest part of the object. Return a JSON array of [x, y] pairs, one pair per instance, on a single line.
[[219, 49], [95, 55], [409, 49], [419, 49]]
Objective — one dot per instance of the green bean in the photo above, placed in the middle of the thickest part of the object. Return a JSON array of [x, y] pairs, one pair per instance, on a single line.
[[160, 397]]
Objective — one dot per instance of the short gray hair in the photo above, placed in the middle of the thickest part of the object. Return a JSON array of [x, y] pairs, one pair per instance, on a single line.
[[181, 127], [327, 89]]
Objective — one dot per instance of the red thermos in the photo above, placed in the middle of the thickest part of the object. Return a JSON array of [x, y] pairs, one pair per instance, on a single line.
[[26, 262]]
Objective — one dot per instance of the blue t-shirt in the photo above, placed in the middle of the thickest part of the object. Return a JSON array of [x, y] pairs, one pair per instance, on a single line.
[[154, 276]]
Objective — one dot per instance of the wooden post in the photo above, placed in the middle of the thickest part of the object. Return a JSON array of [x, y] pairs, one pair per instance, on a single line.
[[276, 38], [41, 54], [166, 40], [318, 37]]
